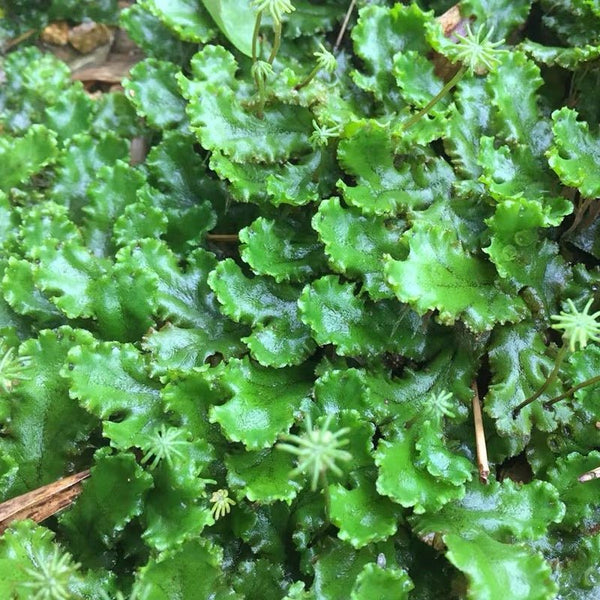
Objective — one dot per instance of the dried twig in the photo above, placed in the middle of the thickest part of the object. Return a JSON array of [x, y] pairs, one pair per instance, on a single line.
[[582, 207], [15, 41], [592, 214], [482, 458], [43, 502], [593, 474], [344, 25], [222, 237], [111, 71]]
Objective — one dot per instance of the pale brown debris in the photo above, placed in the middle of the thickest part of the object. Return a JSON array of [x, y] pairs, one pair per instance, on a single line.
[[43, 502], [482, 457]]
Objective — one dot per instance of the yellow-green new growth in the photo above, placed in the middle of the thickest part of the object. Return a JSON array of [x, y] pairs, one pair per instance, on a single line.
[[578, 327], [325, 59], [222, 504], [317, 450], [277, 8], [321, 135], [261, 71]]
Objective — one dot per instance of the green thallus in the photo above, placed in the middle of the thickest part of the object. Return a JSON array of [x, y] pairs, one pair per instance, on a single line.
[[578, 327], [138, 591], [477, 55]]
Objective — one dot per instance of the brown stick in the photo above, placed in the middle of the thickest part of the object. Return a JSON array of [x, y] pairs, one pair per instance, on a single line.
[[593, 474], [11, 43], [593, 212], [109, 72], [222, 237], [344, 25], [580, 211], [43, 502], [482, 458]]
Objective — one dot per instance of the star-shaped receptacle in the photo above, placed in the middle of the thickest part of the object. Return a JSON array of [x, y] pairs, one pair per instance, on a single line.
[[578, 327], [317, 450]]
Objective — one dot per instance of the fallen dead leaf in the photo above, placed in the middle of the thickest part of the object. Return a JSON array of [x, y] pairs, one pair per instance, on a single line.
[[56, 33], [89, 35], [112, 71]]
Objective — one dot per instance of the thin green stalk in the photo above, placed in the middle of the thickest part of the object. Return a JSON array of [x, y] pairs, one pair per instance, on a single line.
[[276, 42], [572, 390], [262, 100], [259, 84], [308, 78], [316, 176], [255, 36], [326, 496], [441, 94], [549, 381]]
